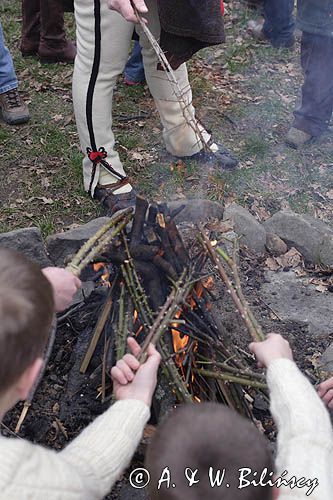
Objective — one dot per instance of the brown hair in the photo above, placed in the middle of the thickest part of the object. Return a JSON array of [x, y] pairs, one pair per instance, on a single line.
[[26, 310], [207, 435]]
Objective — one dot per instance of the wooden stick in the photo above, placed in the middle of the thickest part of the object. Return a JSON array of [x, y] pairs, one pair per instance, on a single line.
[[228, 377], [256, 335], [98, 330]]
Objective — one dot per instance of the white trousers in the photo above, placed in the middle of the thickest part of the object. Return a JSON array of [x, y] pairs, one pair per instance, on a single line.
[[103, 43]]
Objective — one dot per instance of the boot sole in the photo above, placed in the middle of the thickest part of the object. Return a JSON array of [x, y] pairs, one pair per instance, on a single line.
[[15, 121]]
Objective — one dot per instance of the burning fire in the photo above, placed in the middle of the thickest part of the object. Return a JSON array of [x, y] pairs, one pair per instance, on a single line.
[[178, 342], [106, 275]]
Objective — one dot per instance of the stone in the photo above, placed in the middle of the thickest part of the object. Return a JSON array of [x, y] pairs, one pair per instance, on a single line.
[[252, 233], [196, 210], [61, 245], [312, 237], [292, 299], [275, 245], [29, 241], [83, 293], [128, 492], [326, 360]]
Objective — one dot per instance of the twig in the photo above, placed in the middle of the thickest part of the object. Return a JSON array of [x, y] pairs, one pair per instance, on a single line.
[[232, 378], [98, 242], [256, 334]]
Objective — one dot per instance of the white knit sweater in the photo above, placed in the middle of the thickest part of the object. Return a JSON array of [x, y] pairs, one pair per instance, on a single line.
[[305, 437], [88, 467], [85, 470]]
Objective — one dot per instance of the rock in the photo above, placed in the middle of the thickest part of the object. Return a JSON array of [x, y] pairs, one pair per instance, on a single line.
[[252, 232], [61, 245], [310, 236], [294, 300], [326, 360], [275, 245], [29, 241], [83, 293], [227, 241], [128, 492], [196, 210]]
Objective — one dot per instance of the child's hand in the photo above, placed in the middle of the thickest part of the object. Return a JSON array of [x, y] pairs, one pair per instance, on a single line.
[[274, 347], [325, 391], [132, 380], [64, 285]]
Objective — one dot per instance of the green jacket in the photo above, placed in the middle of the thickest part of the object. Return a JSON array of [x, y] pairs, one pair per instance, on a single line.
[[315, 16]]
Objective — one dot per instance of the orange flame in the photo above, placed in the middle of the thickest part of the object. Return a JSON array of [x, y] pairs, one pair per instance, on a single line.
[[105, 277], [179, 342]]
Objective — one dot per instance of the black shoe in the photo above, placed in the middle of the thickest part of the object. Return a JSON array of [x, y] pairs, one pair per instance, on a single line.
[[222, 158]]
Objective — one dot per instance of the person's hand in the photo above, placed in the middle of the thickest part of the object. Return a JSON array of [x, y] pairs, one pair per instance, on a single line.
[[274, 347], [325, 391], [124, 7], [132, 380], [64, 285]]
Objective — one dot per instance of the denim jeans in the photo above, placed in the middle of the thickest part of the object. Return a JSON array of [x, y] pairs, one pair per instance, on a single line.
[[134, 70], [314, 113], [8, 80], [279, 22]]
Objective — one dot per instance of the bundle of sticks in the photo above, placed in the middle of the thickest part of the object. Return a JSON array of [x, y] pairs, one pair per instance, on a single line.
[[158, 293]]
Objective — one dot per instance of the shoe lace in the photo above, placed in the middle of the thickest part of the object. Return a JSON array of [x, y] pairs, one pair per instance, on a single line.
[[13, 98]]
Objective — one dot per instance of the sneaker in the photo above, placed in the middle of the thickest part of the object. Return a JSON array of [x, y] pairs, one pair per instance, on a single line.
[[14, 110], [255, 28], [133, 83], [297, 138], [222, 158]]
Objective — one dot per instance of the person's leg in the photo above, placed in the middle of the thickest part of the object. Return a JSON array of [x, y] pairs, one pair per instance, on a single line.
[[12, 108], [103, 41], [8, 80], [134, 71], [180, 138], [54, 46], [279, 22], [30, 27], [315, 111]]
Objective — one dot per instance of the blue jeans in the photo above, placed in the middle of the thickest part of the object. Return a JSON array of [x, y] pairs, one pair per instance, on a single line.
[[279, 22], [134, 70], [8, 80]]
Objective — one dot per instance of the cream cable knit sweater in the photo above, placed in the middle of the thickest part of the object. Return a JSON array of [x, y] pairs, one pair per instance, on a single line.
[[305, 437], [87, 468]]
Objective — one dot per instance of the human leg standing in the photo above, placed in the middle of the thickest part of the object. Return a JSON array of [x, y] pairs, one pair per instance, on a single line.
[[279, 22], [12, 108], [313, 115], [30, 27], [103, 41]]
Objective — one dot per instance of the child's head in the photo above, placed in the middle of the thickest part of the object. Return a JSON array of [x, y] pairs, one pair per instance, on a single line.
[[26, 310], [203, 436]]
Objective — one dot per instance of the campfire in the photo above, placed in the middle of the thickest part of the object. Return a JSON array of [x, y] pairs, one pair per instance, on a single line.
[[154, 287]]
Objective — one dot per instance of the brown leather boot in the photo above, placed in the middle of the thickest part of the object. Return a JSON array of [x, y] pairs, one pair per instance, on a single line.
[[54, 46], [30, 27]]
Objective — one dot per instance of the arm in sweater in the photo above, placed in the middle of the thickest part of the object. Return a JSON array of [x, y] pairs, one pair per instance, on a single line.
[[305, 439], [85, 470]]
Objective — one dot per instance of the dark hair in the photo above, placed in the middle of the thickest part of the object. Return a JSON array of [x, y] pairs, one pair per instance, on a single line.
[[201, 436], [26, 311]]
